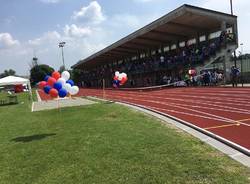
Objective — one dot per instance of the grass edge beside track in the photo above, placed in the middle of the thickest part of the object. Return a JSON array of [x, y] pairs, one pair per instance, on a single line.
[[105, 143]]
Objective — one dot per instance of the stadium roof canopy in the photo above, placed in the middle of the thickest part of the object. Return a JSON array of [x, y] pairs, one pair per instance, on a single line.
[[181, 24]]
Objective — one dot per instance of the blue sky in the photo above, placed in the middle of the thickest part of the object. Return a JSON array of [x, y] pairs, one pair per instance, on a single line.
[[36, 26]]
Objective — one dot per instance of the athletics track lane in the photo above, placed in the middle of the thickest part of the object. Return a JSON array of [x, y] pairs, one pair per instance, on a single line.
[[222, 111]]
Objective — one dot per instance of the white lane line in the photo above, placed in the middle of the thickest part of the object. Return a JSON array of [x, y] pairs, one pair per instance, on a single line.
[[246, 112], [180, 112], [188, 114], [215, 117], [214, 94], [214, 97], [235, 110], [199, 102], [209, 104], [203, 107], [243, 100], [224, 100], [228, 120]]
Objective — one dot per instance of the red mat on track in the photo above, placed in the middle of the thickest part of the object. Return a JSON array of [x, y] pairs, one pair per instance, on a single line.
[[222, 111]]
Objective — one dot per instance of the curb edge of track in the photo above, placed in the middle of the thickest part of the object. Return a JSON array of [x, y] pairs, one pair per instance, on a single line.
[[221, 139]]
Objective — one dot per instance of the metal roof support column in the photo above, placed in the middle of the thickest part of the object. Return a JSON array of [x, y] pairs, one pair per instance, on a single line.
[[207, 36], [149, 53], [162, 50], [226, 58], [138, 55], [235, 31], [198, 38]]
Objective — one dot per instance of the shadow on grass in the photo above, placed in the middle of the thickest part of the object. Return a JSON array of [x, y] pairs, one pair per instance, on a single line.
[[8, 104], [32, 138]]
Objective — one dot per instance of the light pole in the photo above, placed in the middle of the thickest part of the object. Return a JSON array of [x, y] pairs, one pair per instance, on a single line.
[[241, 68], [61, 45], [231, 6]]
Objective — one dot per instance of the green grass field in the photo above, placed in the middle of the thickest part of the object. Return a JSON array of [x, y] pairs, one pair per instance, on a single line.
[[106, 144]]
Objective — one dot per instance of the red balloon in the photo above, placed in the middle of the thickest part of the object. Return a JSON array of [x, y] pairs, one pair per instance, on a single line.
[[42, 84], [53, 93], [124, 79], [51, 81], [56, 75], [115, 78]]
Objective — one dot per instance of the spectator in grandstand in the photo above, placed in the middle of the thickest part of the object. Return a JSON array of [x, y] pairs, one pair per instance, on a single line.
[[220, 77], [206, 78], [223, 38], [194, 80], [187, 79], [165, 79], [162, 61]]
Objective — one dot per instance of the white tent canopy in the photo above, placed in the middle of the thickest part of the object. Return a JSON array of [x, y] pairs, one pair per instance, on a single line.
[[12, 80]]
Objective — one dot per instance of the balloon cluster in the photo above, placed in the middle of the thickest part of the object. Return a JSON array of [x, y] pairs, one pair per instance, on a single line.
[[119, 79], [192, 72], [58, 85]]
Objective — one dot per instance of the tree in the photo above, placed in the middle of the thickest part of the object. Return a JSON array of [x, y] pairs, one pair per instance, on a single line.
[[38, 73], [7, 73], [77, 75]]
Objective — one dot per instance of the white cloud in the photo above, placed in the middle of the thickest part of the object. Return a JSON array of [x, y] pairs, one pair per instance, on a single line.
[[75, 31], [50, 1], [90, 14], [6, 41], [47, 38]]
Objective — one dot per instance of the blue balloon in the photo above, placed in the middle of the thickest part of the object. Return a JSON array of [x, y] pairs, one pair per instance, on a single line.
[[116, 82], [71, 82], [47, 89], [58, 86], [46, 78], [62, 93]]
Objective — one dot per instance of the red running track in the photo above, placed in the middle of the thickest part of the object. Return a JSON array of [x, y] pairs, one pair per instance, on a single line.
[[224, 112]]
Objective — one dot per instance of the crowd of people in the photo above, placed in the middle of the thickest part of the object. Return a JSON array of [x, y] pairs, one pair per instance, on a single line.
[[188, 55], [205, 78]]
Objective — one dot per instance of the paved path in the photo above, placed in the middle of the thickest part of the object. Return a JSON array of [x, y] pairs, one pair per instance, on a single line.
[[54, 104]]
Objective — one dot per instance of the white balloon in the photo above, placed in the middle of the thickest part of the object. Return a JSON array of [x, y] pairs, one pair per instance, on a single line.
[[74, 90], [120, 77], [124, 75], [62, 81], [117, 73], [66, 75], [67, 86]]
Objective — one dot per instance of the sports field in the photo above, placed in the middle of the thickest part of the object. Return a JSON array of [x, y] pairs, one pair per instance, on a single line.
[[104, 143]]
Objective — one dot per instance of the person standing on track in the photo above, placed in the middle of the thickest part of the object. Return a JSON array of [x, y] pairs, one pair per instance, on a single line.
[[235, 72]]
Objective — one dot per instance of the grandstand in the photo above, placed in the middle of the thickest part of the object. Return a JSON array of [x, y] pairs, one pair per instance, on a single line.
[[187, 37]]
